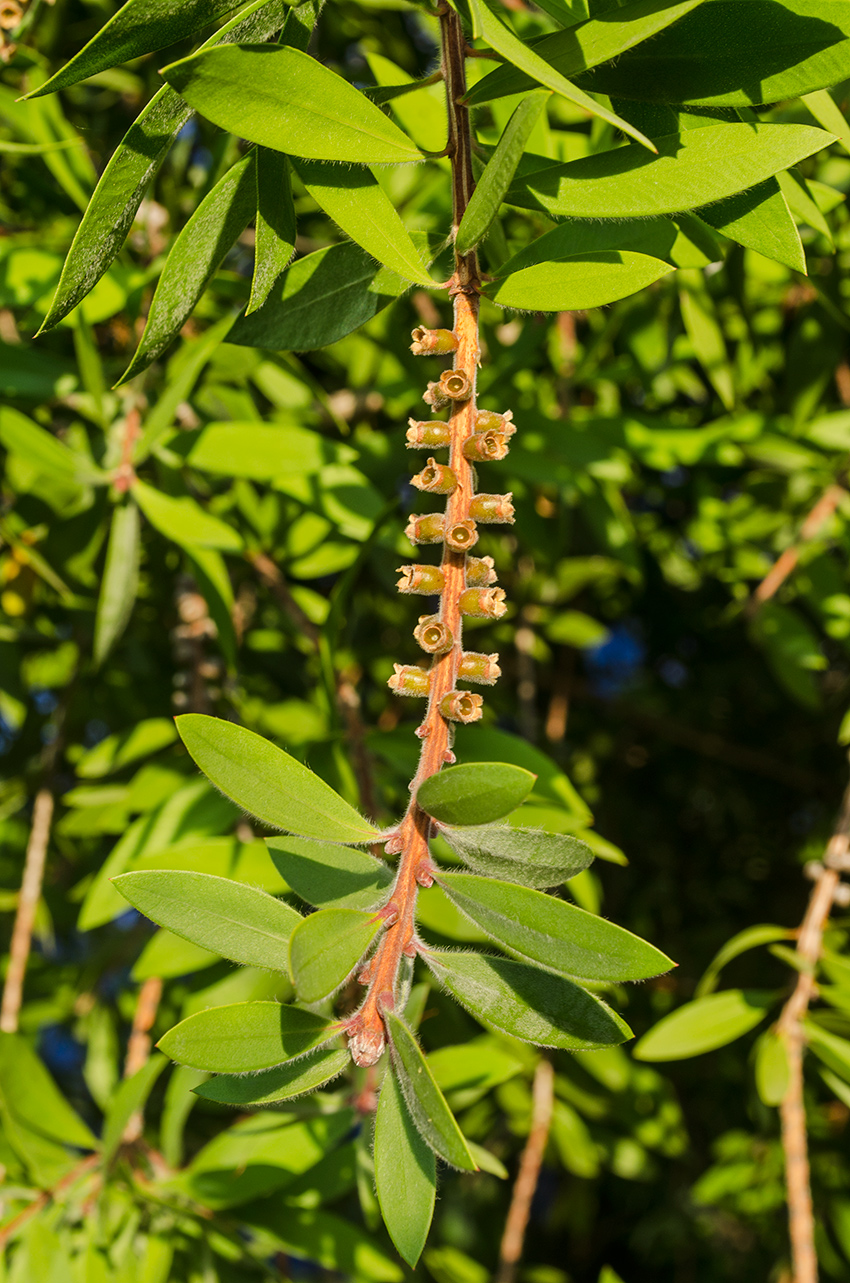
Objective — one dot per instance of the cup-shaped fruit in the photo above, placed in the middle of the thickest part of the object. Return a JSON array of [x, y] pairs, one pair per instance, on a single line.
[[435, 396], [428, 434], [483, 603], [492, 508], [461, 535], [435, 478], [475, 667], [485, 420], [486, 446], [421, 579], [455, 385], [407, 679], [480, 572], [461, 706], [433, 635], [427, 529], [432, 342]]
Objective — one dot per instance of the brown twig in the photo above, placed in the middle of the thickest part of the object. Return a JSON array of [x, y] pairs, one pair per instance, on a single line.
[[790, 1028], [528, 1174], [19, 952], [787, 562], [139, 1045], [11, 1227]]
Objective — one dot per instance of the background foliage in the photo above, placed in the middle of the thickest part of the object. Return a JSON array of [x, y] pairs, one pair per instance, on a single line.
[[671, 447]]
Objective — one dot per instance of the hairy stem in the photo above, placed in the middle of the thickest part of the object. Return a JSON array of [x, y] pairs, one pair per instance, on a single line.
[[19, 952]]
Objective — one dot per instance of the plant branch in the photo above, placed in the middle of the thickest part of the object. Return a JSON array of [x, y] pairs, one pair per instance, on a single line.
[[528, 1174], [786, 564], [19, 952]]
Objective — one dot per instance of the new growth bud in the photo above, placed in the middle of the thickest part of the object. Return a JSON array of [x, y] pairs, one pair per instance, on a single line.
[[492, 508], [480, 572], [427, 529], [433, 635], [489, 420], [435, 478], [461, 706], [432, 342], [409, 680], [428, 435], [483, 669], [483, 603], [461, 536], [485, 446], [421, 579]]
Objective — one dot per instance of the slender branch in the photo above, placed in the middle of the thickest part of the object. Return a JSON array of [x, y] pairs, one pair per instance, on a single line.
[[139, 1045], [79, 1170], [528, 1174], [787, 562], [801, 1221], [19, 952]]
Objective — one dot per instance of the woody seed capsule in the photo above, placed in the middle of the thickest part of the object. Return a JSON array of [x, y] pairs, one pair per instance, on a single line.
[[486, 445], [409, 680], [492, 507], [433, 635], [432, 342], [480, 572], [461, 535], [421, 579], [474, 667], [483, 603], [461, 706], [485, 420], [435, 478], [455, 385], [435, 397], [431, 435], [427, 529]]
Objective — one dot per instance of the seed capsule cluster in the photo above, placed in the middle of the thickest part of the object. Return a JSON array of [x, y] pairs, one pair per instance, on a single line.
[[464, 584]]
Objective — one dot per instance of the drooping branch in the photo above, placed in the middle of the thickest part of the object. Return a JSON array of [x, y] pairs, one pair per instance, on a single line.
[[19, 951]]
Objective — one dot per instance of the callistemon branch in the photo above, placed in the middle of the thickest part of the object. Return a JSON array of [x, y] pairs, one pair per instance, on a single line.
[[464, 584]]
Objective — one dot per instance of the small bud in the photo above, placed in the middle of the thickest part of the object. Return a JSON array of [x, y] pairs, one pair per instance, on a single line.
[[461, 535], [483, 603], [428, 435], [432, 342], [480, 572], [435, 397], [435, 478], [492, 507], [485, 446], [409, 680], [487, 420], [483, 669], [455, 385], [366, 1046], [421, 579], [461, 706], [433, 635], [427, 529]]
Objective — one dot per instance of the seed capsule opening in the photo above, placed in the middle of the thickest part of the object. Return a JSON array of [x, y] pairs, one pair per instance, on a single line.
[[455, 385], [433, 635], [461, 706], [461, 535]]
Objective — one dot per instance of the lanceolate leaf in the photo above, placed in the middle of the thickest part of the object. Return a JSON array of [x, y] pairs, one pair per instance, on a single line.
[[527, 1002], [194, 259], [704, 1025], [828, 1047], [139, 27], [326, 947], [261, 451], [274, 229], [281, 1083], [550, 931], [528, 856], [574, 284], [585, 45], [269, 783], [497, 177], [284, 99], [329, 876], [691, 169], [184, 520], [244, 1036], [358, 204], [110, 213], [475, 793], [233, 920], [45, 452], [129, 1097], [120, 581], [32, 1098], [683, 242], [433, 1118], [761, 220], [405, 1172]]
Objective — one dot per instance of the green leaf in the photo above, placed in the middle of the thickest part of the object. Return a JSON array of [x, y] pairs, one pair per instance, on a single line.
[[558, 935], [320, 1237], [330, 876], [575, 284], [326, 947], [319, 299], [262, 451], [231, 919], [528, 1003], [749, 938], [244, 1036], [703, 329], [284, 99], [690, 170], [497, 177], [120, 583], [129, 1097], [45, 452], [501, 38], [269, 783], [405, 1173], [357, 203], [110, 213], [274, 1085], [771, 1069], [469, 1070], [209, 570], [195, 257], [139, 27], [803, 205], [829, 1048], [731, 53], [184, 521], [166, 955], [528, 856], [827, 113], [33, 1100], [427, 1104], [704, 1025], [117, 751], [586, 45], [761, 220], [274, 234], [475, 793]]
